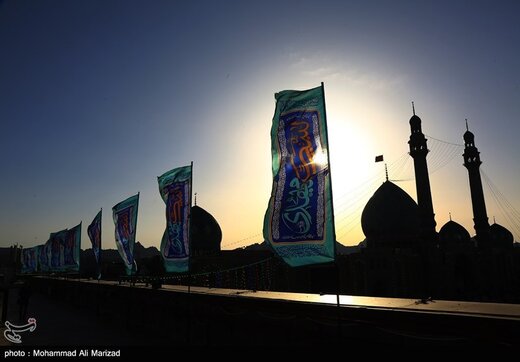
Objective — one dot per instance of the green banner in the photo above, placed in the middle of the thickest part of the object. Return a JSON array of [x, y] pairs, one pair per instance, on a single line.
[[125, 221], [175, 189], [299, 223]]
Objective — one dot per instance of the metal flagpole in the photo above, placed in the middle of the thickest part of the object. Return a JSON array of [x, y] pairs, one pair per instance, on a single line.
[[338, 304], [98, 309], [189, 230], [100, 243], [190, 253], [79, 254], [136, 218]]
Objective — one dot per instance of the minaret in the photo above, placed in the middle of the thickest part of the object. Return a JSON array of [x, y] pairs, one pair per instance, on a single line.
[[472, 163], [418, 151]]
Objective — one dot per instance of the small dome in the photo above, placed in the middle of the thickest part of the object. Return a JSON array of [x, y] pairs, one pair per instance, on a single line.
[[206, 234], [500, 236], [415, 122], [453, 232], [469, 137], [390, 217]]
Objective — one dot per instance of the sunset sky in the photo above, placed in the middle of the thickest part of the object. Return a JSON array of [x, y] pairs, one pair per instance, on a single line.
[[98, 98]]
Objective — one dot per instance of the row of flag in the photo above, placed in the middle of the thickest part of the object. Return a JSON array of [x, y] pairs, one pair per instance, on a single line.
[[59, 254], [298, 223]]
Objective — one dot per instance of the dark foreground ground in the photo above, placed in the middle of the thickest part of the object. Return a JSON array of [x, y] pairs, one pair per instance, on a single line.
[[84, 314]]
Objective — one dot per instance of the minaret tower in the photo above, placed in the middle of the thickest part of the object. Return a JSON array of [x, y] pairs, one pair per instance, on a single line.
[[472, 163], [418, 151]]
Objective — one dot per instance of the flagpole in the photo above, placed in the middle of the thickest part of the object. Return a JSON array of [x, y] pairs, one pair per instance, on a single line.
[[79, 254], [332, 213], [189, 229], [100, 243], [135, 236], [189, 258], [99, 261]]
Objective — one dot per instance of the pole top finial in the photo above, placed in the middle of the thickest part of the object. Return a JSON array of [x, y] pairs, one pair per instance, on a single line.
[[467, 128], [413, 108]]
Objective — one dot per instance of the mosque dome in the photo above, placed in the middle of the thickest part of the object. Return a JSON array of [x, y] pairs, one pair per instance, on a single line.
[[453, 232], [390, 217], [500, 236], [206, 234]]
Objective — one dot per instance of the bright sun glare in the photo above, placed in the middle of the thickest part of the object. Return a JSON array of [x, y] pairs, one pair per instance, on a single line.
[[320, 158]]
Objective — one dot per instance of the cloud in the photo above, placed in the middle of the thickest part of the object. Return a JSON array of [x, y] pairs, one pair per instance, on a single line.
[[326, 68]]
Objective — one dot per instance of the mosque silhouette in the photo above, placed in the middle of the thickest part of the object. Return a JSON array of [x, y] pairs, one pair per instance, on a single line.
[[404, 256]]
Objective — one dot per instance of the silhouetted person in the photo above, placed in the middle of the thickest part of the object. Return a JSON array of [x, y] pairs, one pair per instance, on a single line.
[[23, 301]]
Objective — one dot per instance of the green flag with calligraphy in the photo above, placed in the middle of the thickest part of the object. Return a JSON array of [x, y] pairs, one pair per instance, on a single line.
[[56, 250], [175, 189], [124, 215], [71, 250], [30, 260], [299, 223]]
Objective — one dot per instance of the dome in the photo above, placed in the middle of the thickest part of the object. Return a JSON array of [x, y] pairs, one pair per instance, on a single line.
[[415, 122], [500, 236], [469, 137], [453, 232], [206, 234], [390, 217]]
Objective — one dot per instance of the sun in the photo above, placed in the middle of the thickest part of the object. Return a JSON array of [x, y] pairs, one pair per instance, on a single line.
[[320, 158]]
